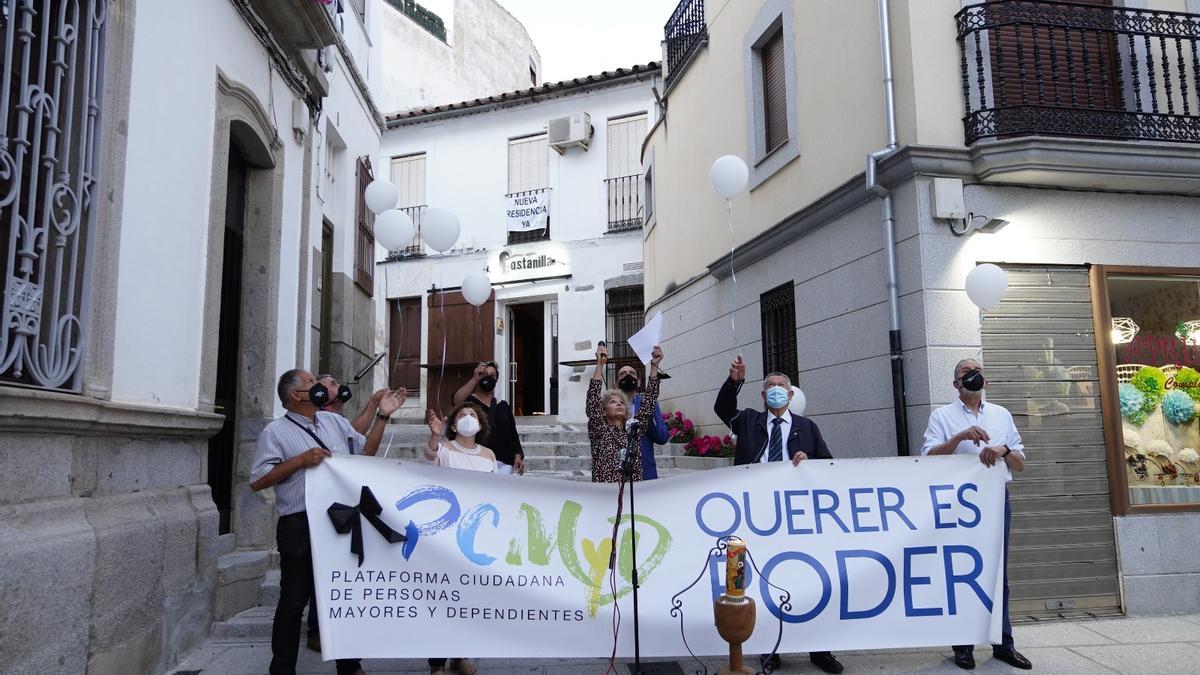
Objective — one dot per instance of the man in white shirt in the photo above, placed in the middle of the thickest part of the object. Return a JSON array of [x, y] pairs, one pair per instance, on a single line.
[[972, 426]]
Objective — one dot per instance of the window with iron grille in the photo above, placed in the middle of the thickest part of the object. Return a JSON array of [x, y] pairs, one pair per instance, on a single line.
[[778, 311], [408, 175], [774, 94], [49, 143], [624, 317], [624, 183], [529, 172], [364, 244]]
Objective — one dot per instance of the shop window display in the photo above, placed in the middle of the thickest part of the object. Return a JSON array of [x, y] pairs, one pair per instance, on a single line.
[[1155, 339]]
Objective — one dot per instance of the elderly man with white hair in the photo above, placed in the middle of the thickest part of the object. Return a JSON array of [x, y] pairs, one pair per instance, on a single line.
[[973, 426]]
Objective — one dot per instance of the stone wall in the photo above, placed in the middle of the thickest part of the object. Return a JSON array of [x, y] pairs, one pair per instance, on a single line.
[[109, 531]]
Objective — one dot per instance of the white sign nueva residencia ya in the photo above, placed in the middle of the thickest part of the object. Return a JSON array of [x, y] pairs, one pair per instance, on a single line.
[[527, 211], [536, 261]]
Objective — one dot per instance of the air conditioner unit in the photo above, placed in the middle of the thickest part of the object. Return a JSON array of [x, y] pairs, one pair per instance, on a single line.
[[566, 132]]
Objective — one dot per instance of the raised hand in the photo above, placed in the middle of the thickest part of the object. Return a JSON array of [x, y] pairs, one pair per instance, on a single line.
[[602, 354], [656, 356], [437, 425], [392, 401], [737, 369]]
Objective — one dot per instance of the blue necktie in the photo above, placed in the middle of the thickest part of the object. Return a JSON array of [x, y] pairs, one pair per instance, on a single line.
[[775, 453]]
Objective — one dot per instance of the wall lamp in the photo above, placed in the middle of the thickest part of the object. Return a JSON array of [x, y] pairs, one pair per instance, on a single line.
[[976, 223]]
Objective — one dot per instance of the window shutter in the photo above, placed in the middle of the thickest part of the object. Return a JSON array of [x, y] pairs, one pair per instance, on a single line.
[[408, 175], [364, 241], [774, 79], [1035, 65], [528, 164]]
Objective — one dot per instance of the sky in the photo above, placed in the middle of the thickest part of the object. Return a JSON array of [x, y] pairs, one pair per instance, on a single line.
[[585, 37]]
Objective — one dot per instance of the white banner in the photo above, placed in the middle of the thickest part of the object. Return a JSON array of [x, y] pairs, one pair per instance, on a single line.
[[527, 211], [875, 553]]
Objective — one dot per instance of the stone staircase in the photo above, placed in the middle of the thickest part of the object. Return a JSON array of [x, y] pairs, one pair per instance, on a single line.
[[248, 581], [552, 450]]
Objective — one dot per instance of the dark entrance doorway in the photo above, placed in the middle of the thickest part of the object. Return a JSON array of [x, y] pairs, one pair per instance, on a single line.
[[527, 358], [221, 446]]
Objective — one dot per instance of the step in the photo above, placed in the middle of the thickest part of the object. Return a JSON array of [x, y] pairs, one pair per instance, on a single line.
[[239, 575], [552, 464], [253, 623], [268, 592], [586, 475]]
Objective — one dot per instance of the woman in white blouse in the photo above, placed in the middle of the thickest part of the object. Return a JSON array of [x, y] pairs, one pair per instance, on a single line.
[[461, 450]]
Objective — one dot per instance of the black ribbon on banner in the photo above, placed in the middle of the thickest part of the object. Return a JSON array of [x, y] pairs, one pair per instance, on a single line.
[[349, 519]]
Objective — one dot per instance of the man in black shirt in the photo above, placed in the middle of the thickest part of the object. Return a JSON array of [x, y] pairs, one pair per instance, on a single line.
[[502, 435]]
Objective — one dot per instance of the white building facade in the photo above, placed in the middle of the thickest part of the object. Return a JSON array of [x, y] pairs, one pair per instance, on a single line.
[[182, 222], [555, 226]]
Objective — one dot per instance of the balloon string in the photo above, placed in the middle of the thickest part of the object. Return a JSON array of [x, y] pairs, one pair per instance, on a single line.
[[733, 275], [442, 375]]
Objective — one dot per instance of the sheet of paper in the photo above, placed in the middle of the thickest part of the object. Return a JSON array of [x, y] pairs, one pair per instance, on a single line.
[[643, 341]]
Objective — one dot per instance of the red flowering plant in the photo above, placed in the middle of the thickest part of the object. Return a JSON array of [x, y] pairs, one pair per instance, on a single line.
[[679, 428], [711, 446]]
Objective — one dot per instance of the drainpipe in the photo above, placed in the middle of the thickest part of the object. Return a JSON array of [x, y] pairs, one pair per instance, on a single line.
[[899, 399]]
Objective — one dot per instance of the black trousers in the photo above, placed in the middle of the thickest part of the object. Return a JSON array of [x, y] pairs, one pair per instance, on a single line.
[[295, 589]]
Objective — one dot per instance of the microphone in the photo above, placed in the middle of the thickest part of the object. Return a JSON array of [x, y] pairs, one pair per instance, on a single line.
[[631, 448]]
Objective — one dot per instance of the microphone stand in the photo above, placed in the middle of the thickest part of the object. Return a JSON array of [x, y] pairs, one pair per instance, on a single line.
[[633, 449]]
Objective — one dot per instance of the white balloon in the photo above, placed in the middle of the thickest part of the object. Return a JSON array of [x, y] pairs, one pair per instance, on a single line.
[[798, 402], [381, 195], [729, 175], [986, 285], [394, 229], [476, 288], [439, 229]]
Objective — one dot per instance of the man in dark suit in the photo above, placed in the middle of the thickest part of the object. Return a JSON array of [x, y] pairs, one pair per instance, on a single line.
[[771, 436]]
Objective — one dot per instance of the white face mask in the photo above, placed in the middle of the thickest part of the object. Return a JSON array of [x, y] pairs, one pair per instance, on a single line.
[[467, 426]]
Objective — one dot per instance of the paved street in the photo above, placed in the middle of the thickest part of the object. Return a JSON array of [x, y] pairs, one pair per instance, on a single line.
[[1158, 645]]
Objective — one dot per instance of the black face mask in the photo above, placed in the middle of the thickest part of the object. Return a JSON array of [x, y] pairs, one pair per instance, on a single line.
[[972, 380], [318, 395], [487, 383], [344, 394], [627, 383]]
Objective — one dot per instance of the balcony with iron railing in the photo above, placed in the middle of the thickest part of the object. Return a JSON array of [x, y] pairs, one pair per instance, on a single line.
[[539, 234], [416, 249], [684, 34], [624, 203], [421, 16], [1046, 68]]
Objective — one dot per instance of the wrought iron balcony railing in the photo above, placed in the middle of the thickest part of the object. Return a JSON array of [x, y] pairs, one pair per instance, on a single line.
[[684, 33], [416, 249], [624, 203], [421, 16], [540, 234], [1040, 67]]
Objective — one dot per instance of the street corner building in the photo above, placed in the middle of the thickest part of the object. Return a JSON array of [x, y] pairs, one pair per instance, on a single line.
[[893, 147]]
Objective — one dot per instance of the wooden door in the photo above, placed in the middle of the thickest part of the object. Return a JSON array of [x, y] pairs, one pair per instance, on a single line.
[[404, 344], [460, 336]]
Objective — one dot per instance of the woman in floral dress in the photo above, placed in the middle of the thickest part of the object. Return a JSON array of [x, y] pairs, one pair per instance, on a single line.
[[607, 413]]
